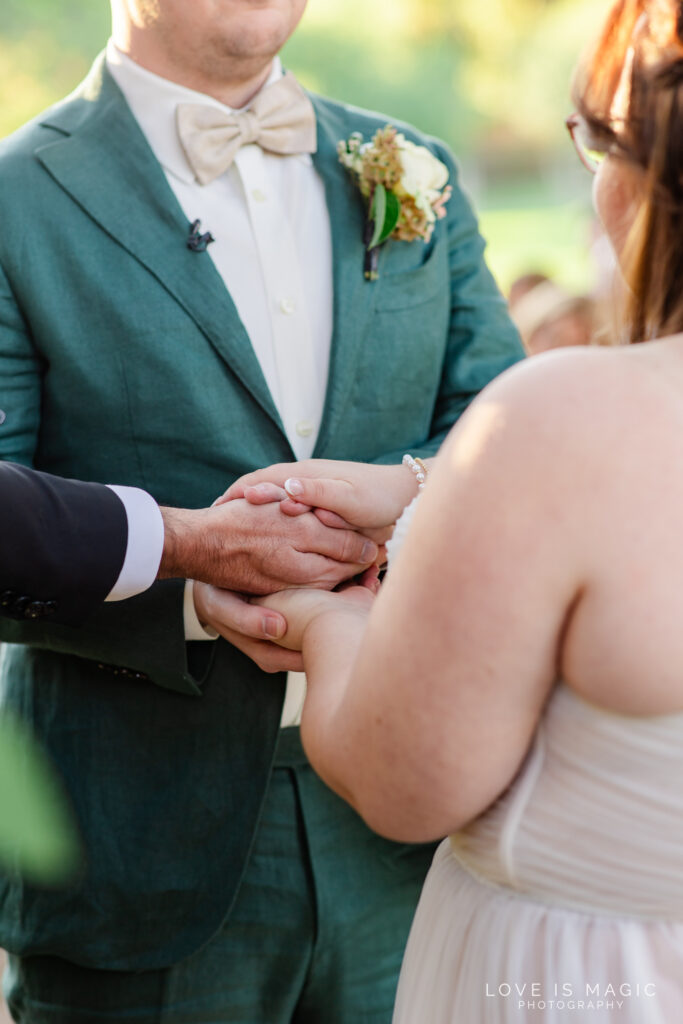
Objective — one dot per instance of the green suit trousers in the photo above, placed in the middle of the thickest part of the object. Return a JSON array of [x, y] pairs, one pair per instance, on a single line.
[[309, 938]]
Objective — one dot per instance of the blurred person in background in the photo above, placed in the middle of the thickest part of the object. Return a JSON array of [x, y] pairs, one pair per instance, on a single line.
[[547, 316], [524, 284]]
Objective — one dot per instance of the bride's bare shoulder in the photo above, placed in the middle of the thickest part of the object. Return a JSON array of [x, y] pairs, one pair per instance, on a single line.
[[584, 384], [564, 372], [569, 404]]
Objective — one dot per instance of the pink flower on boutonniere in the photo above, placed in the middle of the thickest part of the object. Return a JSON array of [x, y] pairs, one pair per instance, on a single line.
[[405, 186]]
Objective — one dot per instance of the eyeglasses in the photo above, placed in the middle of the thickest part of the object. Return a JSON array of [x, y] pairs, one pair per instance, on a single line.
[[591, 153]]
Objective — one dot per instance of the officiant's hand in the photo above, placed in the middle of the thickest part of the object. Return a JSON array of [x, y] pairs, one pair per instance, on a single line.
[[255, 550], [357, 494]]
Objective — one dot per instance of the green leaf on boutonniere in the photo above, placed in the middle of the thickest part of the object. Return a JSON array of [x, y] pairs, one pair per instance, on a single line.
[[385, 209]]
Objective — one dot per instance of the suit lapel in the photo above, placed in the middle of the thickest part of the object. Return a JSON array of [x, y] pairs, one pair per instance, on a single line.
[[104, 162], [353, 295]]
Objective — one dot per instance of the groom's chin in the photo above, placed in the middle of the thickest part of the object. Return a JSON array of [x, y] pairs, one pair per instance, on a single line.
[[255, 28]]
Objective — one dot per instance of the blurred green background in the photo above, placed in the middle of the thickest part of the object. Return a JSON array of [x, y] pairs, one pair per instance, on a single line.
[[489, 76]]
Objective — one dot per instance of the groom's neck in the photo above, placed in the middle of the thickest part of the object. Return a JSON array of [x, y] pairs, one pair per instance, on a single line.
[[234, 84]]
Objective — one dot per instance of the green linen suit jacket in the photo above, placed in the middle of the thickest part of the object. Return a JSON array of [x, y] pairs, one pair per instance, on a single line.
[[123, 359]]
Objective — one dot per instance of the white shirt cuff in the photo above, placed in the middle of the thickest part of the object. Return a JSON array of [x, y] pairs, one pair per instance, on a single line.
[[193, 627], [145, 543]]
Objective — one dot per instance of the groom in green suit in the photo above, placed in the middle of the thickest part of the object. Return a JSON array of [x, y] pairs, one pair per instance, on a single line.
[[182, 301]]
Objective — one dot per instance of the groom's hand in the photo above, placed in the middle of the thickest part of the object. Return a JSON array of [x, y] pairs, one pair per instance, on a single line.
[[247, 627], [260, 629], [254, 549]]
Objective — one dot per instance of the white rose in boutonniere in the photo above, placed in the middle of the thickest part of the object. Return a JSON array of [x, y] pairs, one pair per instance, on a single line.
[[405, 185]]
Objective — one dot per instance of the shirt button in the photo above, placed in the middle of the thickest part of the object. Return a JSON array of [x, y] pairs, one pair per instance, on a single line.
[[258, 196], [287, 305], [304, 428]]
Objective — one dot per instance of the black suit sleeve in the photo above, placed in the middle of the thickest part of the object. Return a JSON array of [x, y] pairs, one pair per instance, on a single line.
[[62, 545]]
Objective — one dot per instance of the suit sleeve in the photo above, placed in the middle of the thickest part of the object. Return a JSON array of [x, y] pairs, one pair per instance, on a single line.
[[142, 637], [62, 545], [482, 339]]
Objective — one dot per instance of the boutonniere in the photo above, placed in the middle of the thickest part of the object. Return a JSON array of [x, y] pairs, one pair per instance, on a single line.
[[405, 187]]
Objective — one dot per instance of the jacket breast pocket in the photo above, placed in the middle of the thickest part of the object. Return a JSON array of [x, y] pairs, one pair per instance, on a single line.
[[400, 289]]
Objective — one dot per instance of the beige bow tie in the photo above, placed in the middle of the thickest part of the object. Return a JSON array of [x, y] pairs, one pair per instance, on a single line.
[[280, 119]]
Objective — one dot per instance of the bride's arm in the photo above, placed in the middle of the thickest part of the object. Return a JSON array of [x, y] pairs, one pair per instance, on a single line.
[[422, 719]]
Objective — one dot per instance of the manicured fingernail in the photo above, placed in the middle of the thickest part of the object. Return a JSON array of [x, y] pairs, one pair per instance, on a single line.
[[369, 552], [294, 487], [272, 627]]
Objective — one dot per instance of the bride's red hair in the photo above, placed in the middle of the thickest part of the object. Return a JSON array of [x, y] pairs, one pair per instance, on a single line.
[[629, 88]]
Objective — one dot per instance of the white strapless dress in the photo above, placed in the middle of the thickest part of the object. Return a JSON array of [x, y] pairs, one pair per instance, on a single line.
[[564, 901]]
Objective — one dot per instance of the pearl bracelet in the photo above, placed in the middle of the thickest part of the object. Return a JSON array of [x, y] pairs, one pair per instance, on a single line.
[[418, 467]]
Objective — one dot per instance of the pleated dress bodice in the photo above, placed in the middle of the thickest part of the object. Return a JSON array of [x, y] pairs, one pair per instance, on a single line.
[[564, 899], [595, 817]]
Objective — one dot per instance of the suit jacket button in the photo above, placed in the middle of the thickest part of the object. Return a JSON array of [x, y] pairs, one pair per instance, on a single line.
[[34, 610], [20, 606], [7, 598]]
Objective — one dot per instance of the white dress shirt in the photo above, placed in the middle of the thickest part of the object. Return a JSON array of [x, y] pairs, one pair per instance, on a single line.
[[145, 543], [273, 249]]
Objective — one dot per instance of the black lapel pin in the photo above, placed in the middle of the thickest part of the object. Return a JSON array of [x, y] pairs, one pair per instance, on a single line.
[[197, 242]]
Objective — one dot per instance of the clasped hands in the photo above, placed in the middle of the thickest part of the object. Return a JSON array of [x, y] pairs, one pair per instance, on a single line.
[[329, 526]]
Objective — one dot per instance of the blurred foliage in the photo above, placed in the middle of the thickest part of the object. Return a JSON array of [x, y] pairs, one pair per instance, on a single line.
[[553, 239], [37, 835], [459, 69], [45, 49], [520, 57]]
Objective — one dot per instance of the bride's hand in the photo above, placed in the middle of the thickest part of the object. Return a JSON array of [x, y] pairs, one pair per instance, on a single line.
[[362, 495], [301, 606]]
